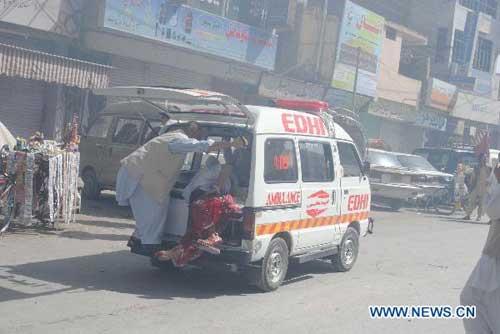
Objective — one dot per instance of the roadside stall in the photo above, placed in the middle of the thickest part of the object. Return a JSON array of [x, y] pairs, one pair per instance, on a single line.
[[44, 175]]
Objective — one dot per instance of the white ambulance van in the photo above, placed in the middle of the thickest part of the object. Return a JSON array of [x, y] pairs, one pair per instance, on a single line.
[[304, 190]]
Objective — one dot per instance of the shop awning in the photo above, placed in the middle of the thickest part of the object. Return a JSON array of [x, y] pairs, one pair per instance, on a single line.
[[36, 65]]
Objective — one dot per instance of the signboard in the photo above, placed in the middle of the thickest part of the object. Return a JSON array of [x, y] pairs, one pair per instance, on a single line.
[[393, 110], [430, 119], [193, 29], [477, 108], [337, 98], [280, 87], [58, 16], [361, 30], [440, 94]]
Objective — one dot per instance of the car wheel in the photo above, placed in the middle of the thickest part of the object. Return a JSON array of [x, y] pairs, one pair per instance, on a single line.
[[345, 259], [91, 187], [274, 266]]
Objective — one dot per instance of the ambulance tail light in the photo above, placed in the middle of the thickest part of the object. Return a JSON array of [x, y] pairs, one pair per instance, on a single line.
[[248, 224], [313, 106]]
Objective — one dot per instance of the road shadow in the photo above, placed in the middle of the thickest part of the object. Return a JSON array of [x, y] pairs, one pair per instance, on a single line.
[[120, 272], [123, 272], [105, 223], [105, 206]]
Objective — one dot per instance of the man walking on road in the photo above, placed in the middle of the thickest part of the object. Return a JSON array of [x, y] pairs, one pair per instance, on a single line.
[[483, 287], [479, 188], [148, 175]]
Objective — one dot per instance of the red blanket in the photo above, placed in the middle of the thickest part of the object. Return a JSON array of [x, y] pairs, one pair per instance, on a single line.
[[203, 233]]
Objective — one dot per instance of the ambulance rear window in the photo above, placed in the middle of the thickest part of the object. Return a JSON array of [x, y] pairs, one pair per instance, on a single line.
[[280, 161]]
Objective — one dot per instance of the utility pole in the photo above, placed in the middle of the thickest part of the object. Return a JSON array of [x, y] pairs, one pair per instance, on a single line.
[[355, 88]]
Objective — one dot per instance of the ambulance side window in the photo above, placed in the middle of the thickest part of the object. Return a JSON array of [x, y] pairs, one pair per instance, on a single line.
[[280, 161], [349, 159], [316, 161]]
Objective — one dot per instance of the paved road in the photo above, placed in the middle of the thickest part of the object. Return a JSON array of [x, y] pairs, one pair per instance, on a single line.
[[84, 280]]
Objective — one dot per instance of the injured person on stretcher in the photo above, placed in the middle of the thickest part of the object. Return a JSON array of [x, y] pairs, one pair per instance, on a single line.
[[212, 204]]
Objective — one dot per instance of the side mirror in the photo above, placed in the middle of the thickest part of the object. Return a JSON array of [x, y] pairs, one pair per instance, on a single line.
[[366, 167]]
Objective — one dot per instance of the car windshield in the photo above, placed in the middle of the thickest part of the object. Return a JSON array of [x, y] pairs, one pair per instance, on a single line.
[[415, 162], [383, 159]]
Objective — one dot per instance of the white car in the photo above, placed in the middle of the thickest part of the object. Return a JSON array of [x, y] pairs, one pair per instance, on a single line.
[[398, 177]]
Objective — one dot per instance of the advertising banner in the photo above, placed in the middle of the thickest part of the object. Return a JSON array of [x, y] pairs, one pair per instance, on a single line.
[[279, 87], [193, 29], [440, 95], [361, 30], [477, 108]]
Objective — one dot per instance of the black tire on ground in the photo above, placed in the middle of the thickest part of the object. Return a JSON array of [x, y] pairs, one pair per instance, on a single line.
[[274, 266], [166, 266], [345, 259], [91, 187]]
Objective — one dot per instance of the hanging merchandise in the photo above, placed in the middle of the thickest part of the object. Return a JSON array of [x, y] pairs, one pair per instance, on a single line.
[[47, 186]]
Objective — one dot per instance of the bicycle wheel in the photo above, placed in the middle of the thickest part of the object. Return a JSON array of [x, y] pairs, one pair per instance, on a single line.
[[444, 204], [7, 212]]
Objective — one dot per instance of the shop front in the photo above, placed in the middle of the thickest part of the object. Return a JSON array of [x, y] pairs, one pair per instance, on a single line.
[[394, 124], [33, 86]]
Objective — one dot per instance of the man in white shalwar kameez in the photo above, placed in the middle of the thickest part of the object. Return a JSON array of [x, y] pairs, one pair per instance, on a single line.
[[6, 138], [147, 176], [483, 287]]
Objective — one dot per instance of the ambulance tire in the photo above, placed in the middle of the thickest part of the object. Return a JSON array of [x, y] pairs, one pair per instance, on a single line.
[[345, 259], [274, 266]]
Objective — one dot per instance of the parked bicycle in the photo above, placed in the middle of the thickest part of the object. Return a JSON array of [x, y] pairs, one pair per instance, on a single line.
[[442, 202], [7, 193]]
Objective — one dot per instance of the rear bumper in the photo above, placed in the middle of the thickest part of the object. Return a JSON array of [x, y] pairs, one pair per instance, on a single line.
[[230, 258]]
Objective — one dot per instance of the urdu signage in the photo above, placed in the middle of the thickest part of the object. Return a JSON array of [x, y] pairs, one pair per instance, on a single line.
[[193, 29]]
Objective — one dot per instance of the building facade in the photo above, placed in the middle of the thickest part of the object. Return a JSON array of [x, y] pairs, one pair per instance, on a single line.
[[43, 77], [465, 48]]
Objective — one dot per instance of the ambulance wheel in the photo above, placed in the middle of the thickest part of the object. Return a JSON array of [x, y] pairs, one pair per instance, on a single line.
[[166, 266], [91, 187], [345, 259], [274, 266]]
